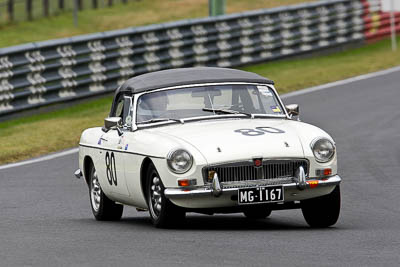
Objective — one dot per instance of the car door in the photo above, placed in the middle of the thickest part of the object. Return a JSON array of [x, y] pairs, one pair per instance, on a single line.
[[113, 158], [113, 143]]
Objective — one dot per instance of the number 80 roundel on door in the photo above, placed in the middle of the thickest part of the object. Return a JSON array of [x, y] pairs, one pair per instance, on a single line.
[[111, 171]]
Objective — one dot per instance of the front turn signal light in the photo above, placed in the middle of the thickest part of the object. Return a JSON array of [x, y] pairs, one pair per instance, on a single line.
[[327, 172], [187, 182], [323, 172]]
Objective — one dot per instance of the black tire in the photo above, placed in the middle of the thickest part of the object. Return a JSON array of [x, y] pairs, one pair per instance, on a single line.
[[257, 212], [103, 208], [166, 215], [321, 212]]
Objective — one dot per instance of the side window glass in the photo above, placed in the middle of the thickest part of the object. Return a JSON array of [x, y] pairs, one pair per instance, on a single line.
[[120, 108]]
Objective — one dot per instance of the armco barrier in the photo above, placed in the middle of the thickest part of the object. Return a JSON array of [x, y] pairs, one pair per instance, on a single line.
[[41, 73]]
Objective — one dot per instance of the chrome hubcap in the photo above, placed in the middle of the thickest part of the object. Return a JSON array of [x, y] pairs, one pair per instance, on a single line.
[[155, 197], [95, 192]]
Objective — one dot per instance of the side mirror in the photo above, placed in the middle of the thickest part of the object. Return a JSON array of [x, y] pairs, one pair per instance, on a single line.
[[111, 122], [293, 110]]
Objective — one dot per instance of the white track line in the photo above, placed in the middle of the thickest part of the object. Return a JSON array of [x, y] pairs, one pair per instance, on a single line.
[[342, 82], [296, 93], [40, 159]]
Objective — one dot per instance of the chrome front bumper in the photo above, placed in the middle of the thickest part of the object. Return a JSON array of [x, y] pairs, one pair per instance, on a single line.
[[205, 196]]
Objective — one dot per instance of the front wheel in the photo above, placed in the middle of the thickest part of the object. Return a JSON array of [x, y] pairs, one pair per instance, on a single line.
[[103, 208], [321, 212], [163, 212]]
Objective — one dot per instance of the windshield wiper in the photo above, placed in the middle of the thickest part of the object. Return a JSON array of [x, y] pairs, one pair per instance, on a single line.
[[227, 111], [160, 120]]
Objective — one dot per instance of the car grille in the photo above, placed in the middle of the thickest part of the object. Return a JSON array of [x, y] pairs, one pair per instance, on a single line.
[[274, 171]]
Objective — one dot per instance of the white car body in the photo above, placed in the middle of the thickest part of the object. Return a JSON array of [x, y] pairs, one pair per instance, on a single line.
[[211, 141]]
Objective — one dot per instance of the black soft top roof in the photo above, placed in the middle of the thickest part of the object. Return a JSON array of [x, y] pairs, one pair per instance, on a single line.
[[185, 76]]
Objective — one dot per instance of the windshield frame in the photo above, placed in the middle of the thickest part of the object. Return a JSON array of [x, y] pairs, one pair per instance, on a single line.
[[211, 116]]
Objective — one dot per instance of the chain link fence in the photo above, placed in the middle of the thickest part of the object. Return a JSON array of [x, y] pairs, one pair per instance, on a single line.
[[20, 10]]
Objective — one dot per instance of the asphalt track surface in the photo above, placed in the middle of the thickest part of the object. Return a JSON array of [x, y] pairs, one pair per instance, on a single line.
[[45, 217]]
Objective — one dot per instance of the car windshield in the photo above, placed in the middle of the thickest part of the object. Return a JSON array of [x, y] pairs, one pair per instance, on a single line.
[[211, 100]]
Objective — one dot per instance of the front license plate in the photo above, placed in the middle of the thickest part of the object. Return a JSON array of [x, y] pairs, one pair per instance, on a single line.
[[265, 194]]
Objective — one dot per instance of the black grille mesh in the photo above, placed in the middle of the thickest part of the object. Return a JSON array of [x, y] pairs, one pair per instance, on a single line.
[[245, 171]]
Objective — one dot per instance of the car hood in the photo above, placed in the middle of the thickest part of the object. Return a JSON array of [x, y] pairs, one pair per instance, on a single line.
[[227, 140]]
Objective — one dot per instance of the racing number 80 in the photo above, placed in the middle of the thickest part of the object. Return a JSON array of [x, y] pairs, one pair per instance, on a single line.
[[111, 170], [259, 131]]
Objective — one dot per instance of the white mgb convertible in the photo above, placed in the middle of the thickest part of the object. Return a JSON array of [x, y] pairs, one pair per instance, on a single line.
[[207, 140]]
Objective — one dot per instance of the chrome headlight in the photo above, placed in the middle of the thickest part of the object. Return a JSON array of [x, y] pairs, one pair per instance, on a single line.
[[323, 149], [179, 161]]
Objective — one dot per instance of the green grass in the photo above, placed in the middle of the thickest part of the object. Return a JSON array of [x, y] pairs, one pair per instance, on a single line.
[[134, 13], [53, 131], [293, 74], [44, 133]]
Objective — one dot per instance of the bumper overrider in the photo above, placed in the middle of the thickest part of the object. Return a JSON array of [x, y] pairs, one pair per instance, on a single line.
[[218, 194]]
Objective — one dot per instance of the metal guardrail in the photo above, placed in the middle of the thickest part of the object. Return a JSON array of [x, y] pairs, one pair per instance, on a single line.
[[42, 73]]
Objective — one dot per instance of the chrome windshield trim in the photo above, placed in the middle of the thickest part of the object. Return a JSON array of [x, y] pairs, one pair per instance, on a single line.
[[211, 117], [202, 84], [256, 116]]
